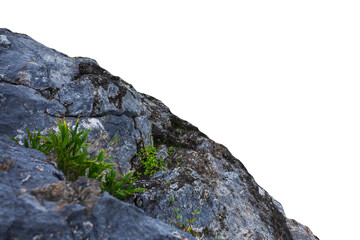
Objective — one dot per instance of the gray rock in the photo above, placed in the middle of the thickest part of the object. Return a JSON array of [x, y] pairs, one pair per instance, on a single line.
[[22, 107], [4, 42], [38, 84], [27, 62], [35, 203], [78, 97], [300, 231], [26, 167]]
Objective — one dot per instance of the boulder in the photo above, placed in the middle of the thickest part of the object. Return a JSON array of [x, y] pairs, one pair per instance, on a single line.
[[39, 85], [36, 203]]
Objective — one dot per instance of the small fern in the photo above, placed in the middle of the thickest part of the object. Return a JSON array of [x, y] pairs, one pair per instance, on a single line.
[[69, 149], [122, 188]]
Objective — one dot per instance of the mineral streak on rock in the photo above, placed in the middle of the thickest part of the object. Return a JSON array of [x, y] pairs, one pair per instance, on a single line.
[[39, 84]]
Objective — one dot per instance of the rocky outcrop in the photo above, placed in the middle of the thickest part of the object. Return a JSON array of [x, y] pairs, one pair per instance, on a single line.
[[35, 203], [38, 84]]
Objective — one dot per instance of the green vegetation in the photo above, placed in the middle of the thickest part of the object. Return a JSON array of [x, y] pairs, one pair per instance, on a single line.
[[217, 238], [69, 149], [118, 188], [150, 161], [34, 140], [180, 127], [170, 151], [186, 226]]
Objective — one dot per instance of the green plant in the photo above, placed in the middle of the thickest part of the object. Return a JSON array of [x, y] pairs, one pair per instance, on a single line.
[[217, 237], [135, 178], [69, 149], [170, 151], [178, 222], [190, 222], [96, 167], [106, 118], [186, 226], [33, 141], [181, 127], [119, 188], [150, 161]]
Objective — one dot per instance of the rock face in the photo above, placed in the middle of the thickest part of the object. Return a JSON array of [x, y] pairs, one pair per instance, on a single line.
[[35, 203], [38, 84]]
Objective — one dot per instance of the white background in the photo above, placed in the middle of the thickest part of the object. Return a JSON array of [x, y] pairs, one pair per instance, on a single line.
[[277, 82]]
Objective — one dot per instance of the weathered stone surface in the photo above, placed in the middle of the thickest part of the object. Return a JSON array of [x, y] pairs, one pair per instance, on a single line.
[[4, 42], [36, 204], [300, 231], [38, 84], [21, 107]]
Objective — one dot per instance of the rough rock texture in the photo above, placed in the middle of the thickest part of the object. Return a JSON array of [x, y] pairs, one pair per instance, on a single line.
[[38, 84], [36, 204]]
